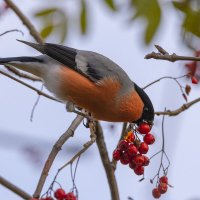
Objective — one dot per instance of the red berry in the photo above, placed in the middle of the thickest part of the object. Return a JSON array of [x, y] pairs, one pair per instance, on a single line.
[[146, 161], [59, 194], [139, 170], [70, 196], [156, 194], [132, 150], [149, 138], [143, 149], [138, 160], [124, 161], [162, 188], [163, 179], [123, 145], [48, 198], [124, 158], [132, 165], [194, 80], [116, 154], [144, 128]]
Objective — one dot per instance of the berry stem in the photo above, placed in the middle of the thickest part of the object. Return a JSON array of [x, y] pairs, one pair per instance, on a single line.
[[163, 153]]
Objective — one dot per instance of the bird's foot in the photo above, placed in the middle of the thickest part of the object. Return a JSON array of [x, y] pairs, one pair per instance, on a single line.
[[70, 107]]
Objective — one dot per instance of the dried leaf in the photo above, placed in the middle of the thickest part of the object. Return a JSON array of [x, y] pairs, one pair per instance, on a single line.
[[44, 12], [181, 5], [63, 28], [192, 16], [46, 31], [151, 11], [187, 89], [83, 17], [111, 4]]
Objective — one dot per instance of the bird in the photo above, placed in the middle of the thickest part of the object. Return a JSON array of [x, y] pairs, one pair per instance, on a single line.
[[87, 80]]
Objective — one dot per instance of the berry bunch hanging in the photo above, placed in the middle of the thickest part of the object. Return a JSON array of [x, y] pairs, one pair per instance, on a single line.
[[131, 149], [161, 187], [59, 194]]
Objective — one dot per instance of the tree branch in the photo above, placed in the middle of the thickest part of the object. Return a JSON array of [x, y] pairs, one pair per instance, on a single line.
[[14, 189], [25, 21], [179, 110], [85, 146], [164, 55], [22, 75], [56, 148], [106, 163]]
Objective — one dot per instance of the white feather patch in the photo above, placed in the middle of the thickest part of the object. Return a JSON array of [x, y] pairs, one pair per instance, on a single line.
[[81, 63]]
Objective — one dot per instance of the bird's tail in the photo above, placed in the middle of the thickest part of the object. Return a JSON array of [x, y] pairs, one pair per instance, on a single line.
[[29, 64], [21, 60]]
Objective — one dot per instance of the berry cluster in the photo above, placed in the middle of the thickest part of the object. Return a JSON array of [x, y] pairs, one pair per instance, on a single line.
[[161, 188], [131, 149], [59, 194]]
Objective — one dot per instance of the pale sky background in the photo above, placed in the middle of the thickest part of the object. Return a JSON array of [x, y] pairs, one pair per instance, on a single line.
[[111, 35]]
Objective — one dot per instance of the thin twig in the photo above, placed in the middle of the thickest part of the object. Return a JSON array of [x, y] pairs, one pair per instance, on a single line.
[[29, 86], [106, 163], [163, 153], [22, 75], [35, 104], [25, 21], [10, 31], [179, 110], [56, 148], [164, 77], [164, 55], [14, 188]]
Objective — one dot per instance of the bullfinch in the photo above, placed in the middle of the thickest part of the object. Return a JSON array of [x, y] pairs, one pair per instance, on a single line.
[[87, 80]]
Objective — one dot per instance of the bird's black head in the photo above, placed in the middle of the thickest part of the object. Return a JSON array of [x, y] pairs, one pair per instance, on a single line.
[[148, 110]]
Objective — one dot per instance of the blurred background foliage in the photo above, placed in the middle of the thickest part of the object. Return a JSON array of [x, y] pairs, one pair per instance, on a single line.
[[55, 20]]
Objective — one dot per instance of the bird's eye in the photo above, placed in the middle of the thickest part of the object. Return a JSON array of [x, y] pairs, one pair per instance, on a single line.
[[146, 109]]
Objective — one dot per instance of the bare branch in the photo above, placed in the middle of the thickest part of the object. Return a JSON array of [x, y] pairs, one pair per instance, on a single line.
[[56, 148], [22, 75], [10, 31], [179, 110], [25, 21], [164, 55], [29, 86], [85, 146], [106, 163], [14, 188]]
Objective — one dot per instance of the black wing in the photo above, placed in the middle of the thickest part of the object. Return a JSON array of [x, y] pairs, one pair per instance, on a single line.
[[92, 65]]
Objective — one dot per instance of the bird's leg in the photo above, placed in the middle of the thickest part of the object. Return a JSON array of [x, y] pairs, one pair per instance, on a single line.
[[70, 107]]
